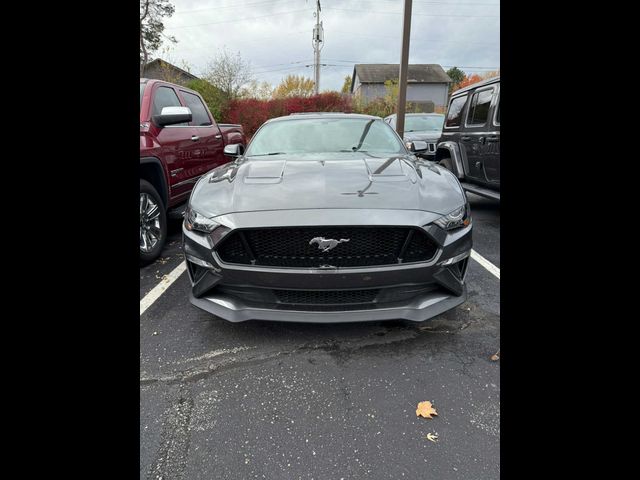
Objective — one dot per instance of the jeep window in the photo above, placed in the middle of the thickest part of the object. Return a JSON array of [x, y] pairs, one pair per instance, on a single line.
[[479, 108], [198, 110], [455, 111], [497, 120], [141, 93]]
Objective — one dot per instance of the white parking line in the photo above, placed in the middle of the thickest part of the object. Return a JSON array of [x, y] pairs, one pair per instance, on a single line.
[[485, 263], [159, 289]]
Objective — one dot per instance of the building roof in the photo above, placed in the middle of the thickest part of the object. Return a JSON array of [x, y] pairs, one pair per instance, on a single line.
[[381, 72], [159, 62]]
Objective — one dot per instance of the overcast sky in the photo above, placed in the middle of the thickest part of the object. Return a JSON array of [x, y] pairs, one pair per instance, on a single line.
[[275, 35]]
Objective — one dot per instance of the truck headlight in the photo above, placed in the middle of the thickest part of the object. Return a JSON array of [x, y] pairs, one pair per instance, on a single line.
[[460, 217]]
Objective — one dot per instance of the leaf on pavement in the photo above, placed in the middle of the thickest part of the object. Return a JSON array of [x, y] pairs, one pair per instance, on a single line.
[[496, 356], [432, 436], [425, 409]]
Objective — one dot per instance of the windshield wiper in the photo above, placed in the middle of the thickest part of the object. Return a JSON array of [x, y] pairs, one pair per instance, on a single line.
[[353, 150], [365, 132], [270, 153]]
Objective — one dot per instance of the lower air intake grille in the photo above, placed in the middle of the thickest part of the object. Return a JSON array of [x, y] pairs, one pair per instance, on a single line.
[[326, 297]]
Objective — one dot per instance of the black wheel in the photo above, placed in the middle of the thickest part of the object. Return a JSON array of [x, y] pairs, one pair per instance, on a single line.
[[153, 223], [446, 163]]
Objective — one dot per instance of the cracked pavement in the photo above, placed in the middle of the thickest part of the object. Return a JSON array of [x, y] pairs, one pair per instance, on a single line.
[[287, 401]]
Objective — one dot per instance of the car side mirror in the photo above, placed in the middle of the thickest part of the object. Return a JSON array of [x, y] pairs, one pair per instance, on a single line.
[[172, 116], [232, 150], [418, 146]]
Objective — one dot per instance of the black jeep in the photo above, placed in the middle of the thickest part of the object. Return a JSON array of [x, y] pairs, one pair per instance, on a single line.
[[470, 141]]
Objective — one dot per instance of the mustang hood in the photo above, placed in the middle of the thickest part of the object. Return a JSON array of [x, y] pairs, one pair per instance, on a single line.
[[332, 181]]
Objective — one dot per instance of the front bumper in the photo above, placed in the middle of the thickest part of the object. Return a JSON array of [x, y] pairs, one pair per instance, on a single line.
[[412, 291]]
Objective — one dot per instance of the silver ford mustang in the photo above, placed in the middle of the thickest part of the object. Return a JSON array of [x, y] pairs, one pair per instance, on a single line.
[[327, 217]]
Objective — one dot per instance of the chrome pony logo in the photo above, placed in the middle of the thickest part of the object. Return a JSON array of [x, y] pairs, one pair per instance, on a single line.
[[326, 244]]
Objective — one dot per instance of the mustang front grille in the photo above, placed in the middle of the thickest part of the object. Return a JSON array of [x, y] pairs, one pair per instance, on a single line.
[[314, 247]]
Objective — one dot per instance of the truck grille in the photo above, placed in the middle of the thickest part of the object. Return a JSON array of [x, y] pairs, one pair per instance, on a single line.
[[289, 247]]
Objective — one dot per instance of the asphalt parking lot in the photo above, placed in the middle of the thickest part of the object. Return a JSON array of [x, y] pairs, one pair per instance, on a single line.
[[299, 401]]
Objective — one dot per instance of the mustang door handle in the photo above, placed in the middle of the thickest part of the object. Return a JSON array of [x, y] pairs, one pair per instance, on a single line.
[[492, 139], [218, 137], [195, 138], [465, 139]]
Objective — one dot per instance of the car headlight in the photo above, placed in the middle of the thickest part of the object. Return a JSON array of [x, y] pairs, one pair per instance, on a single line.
[[460, 217], [198, 222]]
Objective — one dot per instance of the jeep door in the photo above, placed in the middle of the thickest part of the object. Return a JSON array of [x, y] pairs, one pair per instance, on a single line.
[[453, 129], [478, 127], [492, 153]]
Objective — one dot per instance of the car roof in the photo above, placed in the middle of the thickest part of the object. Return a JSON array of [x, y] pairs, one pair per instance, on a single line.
[[476, 85], [303, 115]]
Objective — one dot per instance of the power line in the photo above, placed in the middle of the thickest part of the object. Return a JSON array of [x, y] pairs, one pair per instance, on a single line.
[[239, 5], [383, 63], [237, 19], [253, 40], [450, 4], [419, 33], [417, 14]]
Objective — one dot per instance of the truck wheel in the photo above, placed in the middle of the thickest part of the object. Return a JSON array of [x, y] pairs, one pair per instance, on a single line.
[[446, 163], [153, 223]]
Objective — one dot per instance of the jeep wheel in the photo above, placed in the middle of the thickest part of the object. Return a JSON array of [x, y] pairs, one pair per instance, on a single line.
[[153, 223]]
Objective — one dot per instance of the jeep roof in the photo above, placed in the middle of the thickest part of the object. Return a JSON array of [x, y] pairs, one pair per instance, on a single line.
[[475, 85]]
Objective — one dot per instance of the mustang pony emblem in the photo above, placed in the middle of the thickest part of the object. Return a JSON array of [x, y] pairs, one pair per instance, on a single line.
[[326, 244]]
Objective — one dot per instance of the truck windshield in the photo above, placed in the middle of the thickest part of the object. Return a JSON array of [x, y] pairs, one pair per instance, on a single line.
[[424, 123], [323, 135], [141, 93]]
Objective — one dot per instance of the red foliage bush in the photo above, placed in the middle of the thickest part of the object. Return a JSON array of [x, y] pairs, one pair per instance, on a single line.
[[251, 113]]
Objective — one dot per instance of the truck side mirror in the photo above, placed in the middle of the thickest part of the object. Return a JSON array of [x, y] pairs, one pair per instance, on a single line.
[[232, 150], [172, 116]]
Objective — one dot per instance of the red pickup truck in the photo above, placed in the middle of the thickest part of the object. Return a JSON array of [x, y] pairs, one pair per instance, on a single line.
[[179, 142]]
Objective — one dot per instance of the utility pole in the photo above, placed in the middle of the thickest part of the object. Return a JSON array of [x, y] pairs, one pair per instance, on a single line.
[[404, 67], [318, 39]]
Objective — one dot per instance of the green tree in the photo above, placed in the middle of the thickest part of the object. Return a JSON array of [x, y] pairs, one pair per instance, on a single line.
[[215, 99], [294, 86], [152, 13], [457, 76], [346, 86]]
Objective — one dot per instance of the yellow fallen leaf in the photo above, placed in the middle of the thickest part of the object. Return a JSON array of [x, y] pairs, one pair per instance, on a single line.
[[496, 356], [432, 436], [425, 409]]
